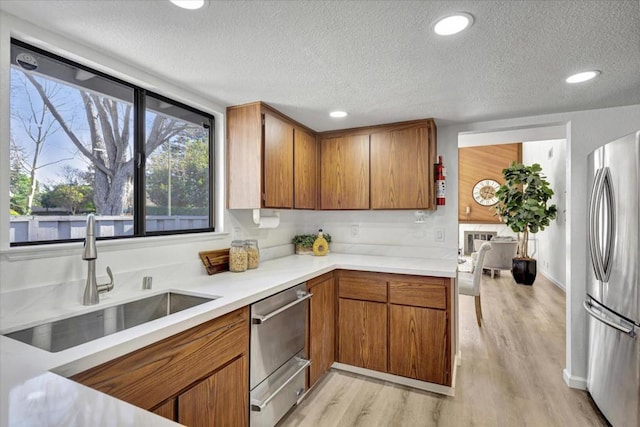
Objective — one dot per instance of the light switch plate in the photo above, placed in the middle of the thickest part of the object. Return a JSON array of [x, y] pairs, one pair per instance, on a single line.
[[438, 234]]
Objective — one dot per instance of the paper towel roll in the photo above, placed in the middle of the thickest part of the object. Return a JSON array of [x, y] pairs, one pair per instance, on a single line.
[[266, 221], [269, 222]]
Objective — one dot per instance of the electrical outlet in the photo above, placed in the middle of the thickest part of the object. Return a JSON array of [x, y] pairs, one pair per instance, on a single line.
[[355, 230], [236, 233], [439, 234]]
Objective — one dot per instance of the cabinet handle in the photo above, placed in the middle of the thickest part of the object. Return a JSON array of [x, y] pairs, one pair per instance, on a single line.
[[258, 319], [258, 406], [592, 311]]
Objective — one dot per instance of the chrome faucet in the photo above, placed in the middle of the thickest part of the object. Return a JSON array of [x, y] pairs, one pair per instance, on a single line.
[[92, 290]]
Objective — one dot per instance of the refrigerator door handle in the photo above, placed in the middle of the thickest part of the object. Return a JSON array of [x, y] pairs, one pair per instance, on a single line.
[[608, 192], [593, 226], [592, 310]]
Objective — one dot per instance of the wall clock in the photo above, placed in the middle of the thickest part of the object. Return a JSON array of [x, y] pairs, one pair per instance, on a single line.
[[484, 192]]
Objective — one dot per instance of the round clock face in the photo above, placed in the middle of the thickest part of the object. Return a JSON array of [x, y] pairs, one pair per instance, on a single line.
[[484, 192]]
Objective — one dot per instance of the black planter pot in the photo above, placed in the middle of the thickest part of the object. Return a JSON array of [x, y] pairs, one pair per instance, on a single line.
[[524, 270]]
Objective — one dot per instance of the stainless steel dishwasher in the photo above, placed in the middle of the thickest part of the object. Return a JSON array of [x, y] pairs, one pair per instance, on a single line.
[[278, 366]]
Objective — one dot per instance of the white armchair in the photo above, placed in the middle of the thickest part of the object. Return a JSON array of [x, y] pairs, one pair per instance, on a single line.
[[500, 256], [469, 283]]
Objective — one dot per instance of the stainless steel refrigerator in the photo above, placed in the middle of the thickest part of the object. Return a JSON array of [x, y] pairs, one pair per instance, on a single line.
[[613, 280]]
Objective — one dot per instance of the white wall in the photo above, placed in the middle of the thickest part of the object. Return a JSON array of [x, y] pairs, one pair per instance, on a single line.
[[585, 131], [551, 243]]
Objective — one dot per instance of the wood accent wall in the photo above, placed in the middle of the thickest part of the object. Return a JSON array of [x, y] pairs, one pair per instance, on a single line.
[[478, 163]]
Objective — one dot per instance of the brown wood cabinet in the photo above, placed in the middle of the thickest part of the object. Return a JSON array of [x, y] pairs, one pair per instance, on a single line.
[[212, 402], [261, 163], [417, 343], [278, 162], [363, 334], [169, 376], [402, 167], [344, 172], [396, 323], [322, 325], [305, 190], [387, 166]]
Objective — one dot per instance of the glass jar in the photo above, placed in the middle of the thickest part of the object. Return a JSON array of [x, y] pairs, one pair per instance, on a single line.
[[253, 253], [237, 256]]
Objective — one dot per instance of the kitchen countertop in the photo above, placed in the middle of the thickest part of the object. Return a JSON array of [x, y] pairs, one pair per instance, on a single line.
[[34, 389]]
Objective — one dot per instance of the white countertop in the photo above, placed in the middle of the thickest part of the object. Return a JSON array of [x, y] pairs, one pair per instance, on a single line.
[[33, 387]]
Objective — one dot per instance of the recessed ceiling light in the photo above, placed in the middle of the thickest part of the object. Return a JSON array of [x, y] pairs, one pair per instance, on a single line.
[[189, 4], [453, 24], [583, 77], [338, 114]]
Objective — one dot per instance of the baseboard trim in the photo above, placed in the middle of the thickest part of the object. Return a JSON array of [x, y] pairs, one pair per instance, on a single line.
[[409, 382], [578, 383], [553, 280]]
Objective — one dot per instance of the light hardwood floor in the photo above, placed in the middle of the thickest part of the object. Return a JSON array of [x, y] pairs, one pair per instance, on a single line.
[[511, 373]]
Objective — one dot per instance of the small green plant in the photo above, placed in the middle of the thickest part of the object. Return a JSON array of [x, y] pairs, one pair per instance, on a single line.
[[306, 240], [522, 202]]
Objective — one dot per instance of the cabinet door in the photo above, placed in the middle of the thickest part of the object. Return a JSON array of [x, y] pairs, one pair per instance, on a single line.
[[418, 343], [167, 410], [220, 400], [362, 334], [400, 167], [321, 328], [304, 170], [244, 156], [344, 172], [278, 163]]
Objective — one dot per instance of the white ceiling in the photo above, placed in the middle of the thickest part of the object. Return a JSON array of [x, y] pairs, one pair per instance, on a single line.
[[378, 60]]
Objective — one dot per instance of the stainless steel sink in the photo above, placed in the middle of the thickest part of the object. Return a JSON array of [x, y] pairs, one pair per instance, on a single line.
[[66, 333]]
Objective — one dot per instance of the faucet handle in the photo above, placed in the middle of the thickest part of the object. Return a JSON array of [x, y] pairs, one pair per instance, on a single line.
[[107, 286], [110, 276]]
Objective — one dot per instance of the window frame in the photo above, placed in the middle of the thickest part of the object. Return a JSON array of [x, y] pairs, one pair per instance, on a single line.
[[139, 137]]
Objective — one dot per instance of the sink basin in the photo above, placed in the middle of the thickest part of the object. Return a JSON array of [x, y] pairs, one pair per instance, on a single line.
[[66, 333]]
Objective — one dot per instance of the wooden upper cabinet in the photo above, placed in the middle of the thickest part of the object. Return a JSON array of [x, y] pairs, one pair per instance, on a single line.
[[278, 163], [244, 156], [304, 169], [344, 172], [402, 169], [261, 167]]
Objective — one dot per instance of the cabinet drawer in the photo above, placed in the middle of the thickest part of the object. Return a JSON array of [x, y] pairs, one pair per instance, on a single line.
[[362, 288], [151, 375], [430, 293]]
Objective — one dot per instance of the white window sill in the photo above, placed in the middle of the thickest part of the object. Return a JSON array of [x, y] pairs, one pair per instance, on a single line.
[[74, 248]]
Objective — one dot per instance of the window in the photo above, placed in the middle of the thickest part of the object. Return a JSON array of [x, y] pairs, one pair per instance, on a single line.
[[83, 142]]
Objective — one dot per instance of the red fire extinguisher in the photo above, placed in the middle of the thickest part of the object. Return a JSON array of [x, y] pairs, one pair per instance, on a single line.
[[441, 172]]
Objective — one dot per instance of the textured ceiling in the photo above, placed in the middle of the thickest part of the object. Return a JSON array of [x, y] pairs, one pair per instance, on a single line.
[[378, 60]]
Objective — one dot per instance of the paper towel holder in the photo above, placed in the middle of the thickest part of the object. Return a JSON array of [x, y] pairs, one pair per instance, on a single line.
[[266, 221]]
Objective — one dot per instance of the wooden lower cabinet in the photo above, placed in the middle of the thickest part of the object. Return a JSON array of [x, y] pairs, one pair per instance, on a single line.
[[417, 343], [395, 323], [322, 326], [215, 401], [363, 334], [174, 377]]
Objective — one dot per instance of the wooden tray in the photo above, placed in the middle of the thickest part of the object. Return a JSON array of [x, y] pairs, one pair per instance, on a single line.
[[215, 261]]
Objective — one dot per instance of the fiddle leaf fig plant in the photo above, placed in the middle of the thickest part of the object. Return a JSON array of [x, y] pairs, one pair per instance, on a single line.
[[523, 202]]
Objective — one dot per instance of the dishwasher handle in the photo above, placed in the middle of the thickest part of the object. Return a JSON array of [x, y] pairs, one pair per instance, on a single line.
[[259, 319], [259, 406]]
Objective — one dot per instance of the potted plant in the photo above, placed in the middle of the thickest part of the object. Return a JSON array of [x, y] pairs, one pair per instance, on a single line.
[[522, 205], [304, 242]]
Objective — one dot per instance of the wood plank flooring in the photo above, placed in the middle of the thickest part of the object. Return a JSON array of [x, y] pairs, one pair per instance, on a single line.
[[511, 373]]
